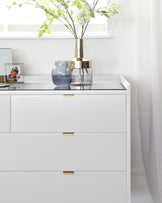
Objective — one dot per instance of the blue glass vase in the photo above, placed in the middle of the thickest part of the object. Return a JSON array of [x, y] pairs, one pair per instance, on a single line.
[[61, 74]]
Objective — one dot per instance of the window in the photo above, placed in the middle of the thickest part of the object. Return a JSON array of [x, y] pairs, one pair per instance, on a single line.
[[26, 21]]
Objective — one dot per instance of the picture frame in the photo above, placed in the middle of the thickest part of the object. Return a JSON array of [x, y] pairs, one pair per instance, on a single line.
[[14, 72]]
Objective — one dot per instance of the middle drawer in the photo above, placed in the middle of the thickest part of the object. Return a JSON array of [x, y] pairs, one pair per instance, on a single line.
[[57, 152]]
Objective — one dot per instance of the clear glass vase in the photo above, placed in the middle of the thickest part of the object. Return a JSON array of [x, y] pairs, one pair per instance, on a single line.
[[81, 67], [81, 76]]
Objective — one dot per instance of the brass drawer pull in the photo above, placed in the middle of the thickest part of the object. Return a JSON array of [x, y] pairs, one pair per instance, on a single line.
[[68, 134], [68, 172], [68, 95]]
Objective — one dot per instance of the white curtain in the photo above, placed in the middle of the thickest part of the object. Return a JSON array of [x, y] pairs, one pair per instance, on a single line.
[[149, 91], [140, 21], [138, 38]]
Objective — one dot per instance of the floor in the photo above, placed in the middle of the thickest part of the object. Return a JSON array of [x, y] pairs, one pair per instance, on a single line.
[[140, 191]]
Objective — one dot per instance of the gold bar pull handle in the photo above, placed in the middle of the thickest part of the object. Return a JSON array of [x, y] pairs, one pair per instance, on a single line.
[[68, 134], [68, 95], [68, 172]]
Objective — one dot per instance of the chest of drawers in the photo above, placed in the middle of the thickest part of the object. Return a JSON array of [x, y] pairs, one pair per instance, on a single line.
[[65, 146]]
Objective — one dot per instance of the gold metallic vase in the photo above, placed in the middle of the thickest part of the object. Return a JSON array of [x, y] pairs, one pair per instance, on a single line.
[[79, 61], [2, 79]]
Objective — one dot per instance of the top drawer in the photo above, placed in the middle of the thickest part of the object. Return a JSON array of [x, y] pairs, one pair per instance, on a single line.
[[79, 113]]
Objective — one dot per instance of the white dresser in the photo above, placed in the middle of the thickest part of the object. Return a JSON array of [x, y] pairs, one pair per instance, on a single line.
[[65, 146]]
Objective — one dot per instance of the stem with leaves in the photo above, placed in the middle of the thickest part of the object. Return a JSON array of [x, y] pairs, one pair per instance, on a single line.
[[59, 19], [86, 26], [71, 19], [70, 13], [72, 27]]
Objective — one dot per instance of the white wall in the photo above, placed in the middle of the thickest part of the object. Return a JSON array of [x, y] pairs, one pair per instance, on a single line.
[[117, 55]]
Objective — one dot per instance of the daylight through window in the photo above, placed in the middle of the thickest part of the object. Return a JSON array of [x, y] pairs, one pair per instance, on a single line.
[[26, 21]]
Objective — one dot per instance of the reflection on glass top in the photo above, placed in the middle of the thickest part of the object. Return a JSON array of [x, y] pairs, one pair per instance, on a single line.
[[112, 85]]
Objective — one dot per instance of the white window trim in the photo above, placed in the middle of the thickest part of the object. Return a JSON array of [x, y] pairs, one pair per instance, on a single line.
[[67, 35], [107, 36]]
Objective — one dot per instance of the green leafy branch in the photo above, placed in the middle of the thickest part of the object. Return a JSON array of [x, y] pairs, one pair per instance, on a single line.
[[69, 12]]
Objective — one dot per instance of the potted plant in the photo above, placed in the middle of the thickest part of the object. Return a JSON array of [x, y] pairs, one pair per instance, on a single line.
[[72, 13]]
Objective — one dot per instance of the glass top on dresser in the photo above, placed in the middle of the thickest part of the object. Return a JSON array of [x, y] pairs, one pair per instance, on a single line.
[[112, 85]]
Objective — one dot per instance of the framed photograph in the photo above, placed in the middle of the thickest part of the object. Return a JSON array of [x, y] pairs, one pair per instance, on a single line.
[[14, 72]]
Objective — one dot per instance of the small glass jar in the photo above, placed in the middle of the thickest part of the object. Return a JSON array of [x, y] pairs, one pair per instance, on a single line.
[[61, 74], [81, 76]]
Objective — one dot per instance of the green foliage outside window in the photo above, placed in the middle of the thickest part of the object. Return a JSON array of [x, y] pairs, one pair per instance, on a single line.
[[70, 13]]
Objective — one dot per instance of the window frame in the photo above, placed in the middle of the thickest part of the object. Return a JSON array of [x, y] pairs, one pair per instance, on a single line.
[[68, 35]]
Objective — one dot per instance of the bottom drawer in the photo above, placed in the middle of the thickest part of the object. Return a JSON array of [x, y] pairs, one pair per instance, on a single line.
[[42, 187]]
